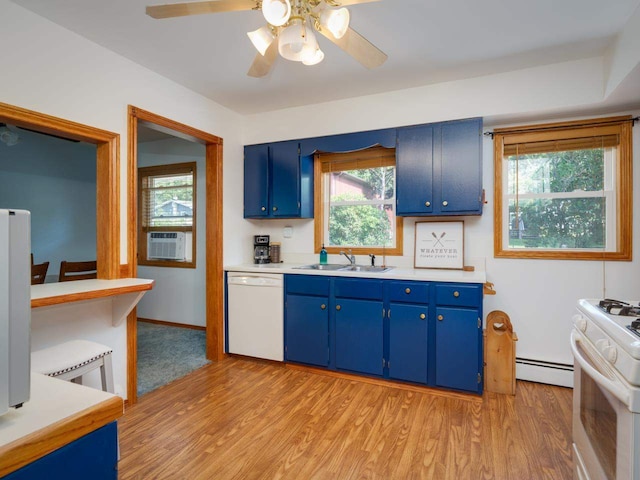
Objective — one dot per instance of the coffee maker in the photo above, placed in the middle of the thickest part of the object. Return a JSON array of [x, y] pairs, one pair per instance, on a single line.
[[261, 249]]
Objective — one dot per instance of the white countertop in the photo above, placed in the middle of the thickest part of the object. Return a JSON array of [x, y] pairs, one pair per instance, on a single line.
[[57, 413], [79, 287], [400, 273]]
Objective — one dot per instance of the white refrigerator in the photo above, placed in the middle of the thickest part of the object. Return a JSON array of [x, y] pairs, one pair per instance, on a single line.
[[15, 308]]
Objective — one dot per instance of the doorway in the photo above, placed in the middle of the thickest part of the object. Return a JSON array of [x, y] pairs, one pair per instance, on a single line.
[[213, 231]]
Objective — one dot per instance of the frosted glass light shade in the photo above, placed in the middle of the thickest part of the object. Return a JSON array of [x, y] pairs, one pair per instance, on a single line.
[[297, 42], [261, 39], [316, 57], [276, 12], [336, 21], [8, 137]]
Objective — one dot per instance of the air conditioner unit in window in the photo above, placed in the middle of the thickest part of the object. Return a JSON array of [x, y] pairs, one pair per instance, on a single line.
[[166, 245]]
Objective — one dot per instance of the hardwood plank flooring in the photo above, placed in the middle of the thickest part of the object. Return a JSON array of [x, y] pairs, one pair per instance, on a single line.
[[248, 419]]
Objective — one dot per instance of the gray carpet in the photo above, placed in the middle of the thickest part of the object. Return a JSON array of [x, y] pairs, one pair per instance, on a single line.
[[167, 353]]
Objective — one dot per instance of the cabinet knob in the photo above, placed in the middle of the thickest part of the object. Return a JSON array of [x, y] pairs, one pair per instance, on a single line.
[[456, 294], [407, 290], [323, 306], [338, 307], [264, 209], [445, 203], [427, 204], [440, 317], [422, 316], [275, 209]]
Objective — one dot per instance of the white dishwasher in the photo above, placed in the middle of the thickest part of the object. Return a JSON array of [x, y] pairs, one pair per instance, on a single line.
[[256, 318]]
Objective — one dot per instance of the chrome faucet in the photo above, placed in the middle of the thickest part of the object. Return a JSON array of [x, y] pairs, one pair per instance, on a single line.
[[350, 256]]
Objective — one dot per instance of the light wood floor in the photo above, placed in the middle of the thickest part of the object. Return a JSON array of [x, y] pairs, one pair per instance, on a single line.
[[243, 419]]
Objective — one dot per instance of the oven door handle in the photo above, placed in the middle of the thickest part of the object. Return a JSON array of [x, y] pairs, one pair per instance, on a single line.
[[618, 391]]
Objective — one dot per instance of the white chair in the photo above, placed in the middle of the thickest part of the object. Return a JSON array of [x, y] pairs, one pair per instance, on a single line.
[[71, 360]]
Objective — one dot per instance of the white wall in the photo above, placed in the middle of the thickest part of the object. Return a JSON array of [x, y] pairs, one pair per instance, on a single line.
[[56, 181], [179, 293], [48, 69]]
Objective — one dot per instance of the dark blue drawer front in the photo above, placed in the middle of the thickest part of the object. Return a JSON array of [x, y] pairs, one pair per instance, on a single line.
[[93, 456], [307, 285], [409, 292], [459, 295], [358, 288]]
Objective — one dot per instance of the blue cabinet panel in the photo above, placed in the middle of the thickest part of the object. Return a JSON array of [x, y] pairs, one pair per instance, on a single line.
[[256, 181], [458, 341], [414, 170], [459, 295], [307, 329], [307, 284], [358, 336], [461, 167], [358, 288], [408, 342], [349, 142], [93, 456], [285, 179], [408, 292]]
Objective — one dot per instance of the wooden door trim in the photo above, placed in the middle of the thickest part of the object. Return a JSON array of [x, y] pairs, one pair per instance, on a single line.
[[213, 220], [107, 176]]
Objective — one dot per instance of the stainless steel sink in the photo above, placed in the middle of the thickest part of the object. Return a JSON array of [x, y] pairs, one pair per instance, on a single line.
[[318, 266], [344, 268], [365, 268]]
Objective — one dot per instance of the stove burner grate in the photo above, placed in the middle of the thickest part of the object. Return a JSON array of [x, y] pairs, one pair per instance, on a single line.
[[618, 307]]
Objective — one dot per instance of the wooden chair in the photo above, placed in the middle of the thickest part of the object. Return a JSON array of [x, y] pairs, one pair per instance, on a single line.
[[77, 271], [39, 272]]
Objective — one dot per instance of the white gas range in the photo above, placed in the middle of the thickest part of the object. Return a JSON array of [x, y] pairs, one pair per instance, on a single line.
[[605, 341]]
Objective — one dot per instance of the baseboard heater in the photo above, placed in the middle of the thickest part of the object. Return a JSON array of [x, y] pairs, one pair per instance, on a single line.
[[541, 371]]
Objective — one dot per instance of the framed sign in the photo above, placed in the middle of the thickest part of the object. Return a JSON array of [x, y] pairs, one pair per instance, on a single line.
[[439, 245]]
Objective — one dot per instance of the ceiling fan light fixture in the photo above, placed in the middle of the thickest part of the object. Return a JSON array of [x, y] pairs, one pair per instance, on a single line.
[[314, 58], [335, 20], [276, 12], [297, 42], [261, 38], [8, 137]]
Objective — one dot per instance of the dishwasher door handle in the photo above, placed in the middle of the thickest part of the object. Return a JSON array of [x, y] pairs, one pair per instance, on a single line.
[[255, 281]]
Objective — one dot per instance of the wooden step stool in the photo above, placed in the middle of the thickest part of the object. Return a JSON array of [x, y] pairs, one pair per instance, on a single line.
[[500, 354]]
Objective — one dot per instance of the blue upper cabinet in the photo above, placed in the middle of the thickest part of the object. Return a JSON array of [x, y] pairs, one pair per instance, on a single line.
[[278, 182], [439, 169]]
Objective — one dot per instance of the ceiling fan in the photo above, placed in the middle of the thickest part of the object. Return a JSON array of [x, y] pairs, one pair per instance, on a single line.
[[289, 30]]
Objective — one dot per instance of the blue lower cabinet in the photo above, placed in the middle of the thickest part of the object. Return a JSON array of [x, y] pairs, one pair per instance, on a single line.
[[93, 456], [408, 342], [458, 342], [307, 330], [359, 336]]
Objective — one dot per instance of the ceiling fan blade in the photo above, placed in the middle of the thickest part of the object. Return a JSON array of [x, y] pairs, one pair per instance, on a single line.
[[261, 65], [346, 3], [358, 47], [196, 8]]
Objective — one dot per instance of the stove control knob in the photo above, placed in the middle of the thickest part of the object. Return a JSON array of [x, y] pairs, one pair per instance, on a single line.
[[611, 354], [580, 322], [603, 345]]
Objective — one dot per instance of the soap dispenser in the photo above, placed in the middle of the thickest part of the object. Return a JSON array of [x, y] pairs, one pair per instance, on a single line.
[[323, 256]]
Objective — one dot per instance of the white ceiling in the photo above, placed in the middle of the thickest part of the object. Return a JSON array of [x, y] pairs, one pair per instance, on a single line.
[[426, 41]]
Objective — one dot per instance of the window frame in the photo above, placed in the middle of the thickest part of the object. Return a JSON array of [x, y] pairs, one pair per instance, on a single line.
[[369, 155], [157, 170], [620, 126]]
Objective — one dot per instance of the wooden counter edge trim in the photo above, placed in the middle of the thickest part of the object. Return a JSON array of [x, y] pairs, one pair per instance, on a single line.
[[388, 383], [30, 448], [90, 295]]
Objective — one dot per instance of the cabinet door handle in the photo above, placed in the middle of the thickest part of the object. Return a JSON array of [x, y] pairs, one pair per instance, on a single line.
[[422, 316], [407, 290], [264, 209], [275, 209], [323, 306], [427, 204], [338, 307], [445, 203], [440, 317], [456, 294]]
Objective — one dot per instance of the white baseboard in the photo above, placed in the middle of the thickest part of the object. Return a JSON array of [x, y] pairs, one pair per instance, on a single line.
[[544, 372]]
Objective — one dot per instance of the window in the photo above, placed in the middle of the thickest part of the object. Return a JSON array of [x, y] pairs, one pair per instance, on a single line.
[[167, 215], [564, 190], [355, 202]]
